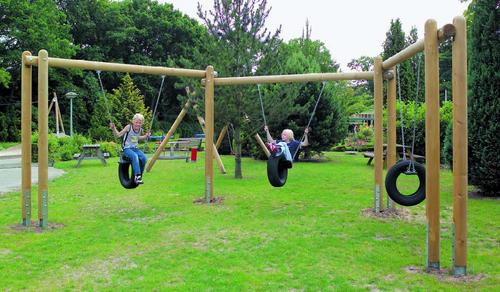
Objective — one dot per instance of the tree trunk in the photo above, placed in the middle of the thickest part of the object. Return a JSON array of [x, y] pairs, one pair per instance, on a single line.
[[237, 140], [237, 153]]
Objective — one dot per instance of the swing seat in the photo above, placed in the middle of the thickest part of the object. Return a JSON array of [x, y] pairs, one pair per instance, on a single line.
[[402, 167], [277, 169], [125, 173]]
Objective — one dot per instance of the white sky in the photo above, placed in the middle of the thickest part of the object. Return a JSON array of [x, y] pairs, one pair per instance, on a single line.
[[348, 28]]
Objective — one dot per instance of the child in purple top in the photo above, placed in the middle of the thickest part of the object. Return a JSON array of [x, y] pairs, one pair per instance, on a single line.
[[287, 137]]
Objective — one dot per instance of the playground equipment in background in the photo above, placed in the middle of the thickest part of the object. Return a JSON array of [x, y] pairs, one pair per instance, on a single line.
[[57, 113]]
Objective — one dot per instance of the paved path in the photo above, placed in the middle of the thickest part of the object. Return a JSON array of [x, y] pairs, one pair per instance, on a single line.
[[10, 170]]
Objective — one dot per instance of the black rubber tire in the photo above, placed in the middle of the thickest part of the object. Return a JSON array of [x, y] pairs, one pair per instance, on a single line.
[[392, 190], [126, 176], [125, 173], [277, 170]]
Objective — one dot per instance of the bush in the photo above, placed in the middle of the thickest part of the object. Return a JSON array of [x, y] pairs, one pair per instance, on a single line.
[[111, 147], [60, 149], [447, 149], [409, 109]]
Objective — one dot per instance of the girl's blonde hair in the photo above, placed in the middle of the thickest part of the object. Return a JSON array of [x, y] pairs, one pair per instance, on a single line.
[[289, 133], [138, 117]]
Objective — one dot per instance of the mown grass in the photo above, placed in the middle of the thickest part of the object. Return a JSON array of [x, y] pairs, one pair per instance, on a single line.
[[310, 234]]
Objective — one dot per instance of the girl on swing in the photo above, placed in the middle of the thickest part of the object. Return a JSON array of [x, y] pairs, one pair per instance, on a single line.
[[287, 137], [131, 134]]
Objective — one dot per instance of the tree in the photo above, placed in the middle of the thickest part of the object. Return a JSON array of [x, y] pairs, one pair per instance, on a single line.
[[484, 106], [119, 107], [138, 32], [394, 43], [28, 26], [241, 41], [363, 63], [291, 105]]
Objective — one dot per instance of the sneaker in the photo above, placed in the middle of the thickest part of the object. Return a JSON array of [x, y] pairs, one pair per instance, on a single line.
[[272, 147], [138, 180]]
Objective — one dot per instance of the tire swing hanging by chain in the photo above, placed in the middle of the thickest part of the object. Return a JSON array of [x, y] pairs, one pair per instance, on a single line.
[[406, 166], [125, 172], [277, 164]]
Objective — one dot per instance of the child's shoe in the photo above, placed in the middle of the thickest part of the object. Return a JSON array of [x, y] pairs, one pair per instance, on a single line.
[[138, 180]]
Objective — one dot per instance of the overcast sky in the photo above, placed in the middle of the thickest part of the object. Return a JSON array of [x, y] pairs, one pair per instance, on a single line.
[[348, 28]]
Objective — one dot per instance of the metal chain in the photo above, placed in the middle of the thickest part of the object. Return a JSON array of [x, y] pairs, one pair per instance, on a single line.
[[401, 113], [417, 93], [262, 105], [310, 119], [157, 101], [104, 95]]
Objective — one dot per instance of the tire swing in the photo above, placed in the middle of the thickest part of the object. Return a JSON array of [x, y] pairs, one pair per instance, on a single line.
[[277, 164], [125, 172], [277, 169], [406, 166]]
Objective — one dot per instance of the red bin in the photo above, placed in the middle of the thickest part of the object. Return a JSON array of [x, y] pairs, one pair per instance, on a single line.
[[194, 153]]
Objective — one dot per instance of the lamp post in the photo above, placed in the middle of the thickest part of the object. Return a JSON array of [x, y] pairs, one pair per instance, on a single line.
[[71, 95]]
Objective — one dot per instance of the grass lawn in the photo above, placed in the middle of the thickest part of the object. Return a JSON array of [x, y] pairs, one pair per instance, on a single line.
[[309, 235]]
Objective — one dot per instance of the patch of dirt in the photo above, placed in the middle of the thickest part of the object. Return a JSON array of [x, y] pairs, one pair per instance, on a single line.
[[445, 275], [35, 227], [387, 213], [214, 200]]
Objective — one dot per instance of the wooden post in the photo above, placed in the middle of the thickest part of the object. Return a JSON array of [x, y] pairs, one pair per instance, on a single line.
[[262, 145], [169, 134], [391, 128], [201, 121], [460, 143], [60, 118], [221, 137], [26, 73], [209, 133], [432, 142], [58, 115], [116, 67], [378, 147], [43, 129]]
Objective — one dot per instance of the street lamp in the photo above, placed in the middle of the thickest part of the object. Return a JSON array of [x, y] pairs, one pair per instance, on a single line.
[[71, 95]]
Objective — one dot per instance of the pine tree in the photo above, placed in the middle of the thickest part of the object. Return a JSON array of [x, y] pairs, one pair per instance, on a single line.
[[241, 41], [123, 103], [394, 43], [484, 104]]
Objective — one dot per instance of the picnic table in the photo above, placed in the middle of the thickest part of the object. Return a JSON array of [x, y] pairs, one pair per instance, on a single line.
[[91, 151], [182, 144], [399, 151]]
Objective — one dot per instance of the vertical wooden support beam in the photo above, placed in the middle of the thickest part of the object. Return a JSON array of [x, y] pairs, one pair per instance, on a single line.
[[43, 130], [170, 132], [391, 128], [378, 148], [221, 137], [209, 134], [26, 74], [262, 145], [460, 143], [432, 142]]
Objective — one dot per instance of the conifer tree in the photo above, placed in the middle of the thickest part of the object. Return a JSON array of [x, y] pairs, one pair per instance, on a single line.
[[484, 105]]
